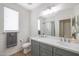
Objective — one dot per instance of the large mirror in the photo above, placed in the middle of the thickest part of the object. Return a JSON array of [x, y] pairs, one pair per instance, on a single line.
[[61, 24]]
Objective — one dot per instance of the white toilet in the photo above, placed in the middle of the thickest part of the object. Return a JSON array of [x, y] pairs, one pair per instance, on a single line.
[[26, 47]]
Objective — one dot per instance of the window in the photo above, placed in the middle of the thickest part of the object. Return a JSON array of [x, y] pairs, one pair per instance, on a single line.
[[38, 24], [11, 20]]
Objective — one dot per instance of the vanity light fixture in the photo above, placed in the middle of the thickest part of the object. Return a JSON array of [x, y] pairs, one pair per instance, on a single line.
[[50, 10]]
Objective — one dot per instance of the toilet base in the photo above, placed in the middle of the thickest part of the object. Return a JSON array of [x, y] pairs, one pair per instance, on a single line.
[[25, 51]]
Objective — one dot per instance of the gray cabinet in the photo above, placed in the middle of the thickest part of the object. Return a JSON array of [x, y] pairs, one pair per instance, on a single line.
[[62, 52], [35, 48], [45, 50], [42, 49]]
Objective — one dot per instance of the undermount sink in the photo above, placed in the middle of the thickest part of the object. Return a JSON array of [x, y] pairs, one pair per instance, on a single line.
[[73, 45], [63, 43]]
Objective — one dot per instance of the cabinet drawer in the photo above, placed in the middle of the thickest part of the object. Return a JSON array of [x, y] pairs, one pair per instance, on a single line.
[[64, 52], [46, 47]]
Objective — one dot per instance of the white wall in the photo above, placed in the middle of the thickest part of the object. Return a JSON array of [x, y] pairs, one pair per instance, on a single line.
[[24, 28], [2, 39]]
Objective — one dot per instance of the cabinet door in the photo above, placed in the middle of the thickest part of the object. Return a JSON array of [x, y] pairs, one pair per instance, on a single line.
[[62, 52], [35, 48], [45, 50]]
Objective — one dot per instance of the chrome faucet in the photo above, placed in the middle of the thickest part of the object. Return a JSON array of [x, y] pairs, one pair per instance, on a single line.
[[65, 40]]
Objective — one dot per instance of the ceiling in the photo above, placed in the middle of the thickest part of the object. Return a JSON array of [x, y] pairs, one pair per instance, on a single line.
[[30, 6]]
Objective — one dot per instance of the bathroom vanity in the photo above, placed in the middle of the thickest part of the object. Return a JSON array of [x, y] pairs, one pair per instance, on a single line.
[[60, 28], [53, 46]]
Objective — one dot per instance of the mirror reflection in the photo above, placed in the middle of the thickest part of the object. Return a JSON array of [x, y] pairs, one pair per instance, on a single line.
[[59, 23], [65, 28], [47, 27]]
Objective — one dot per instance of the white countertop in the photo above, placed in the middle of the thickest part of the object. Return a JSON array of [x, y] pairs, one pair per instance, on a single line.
[[55, 41]]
